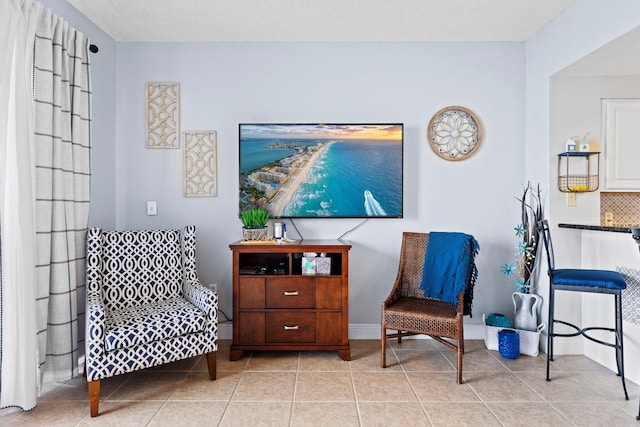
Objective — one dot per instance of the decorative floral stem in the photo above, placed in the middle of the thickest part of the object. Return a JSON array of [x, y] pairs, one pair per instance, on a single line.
[[527, 247]]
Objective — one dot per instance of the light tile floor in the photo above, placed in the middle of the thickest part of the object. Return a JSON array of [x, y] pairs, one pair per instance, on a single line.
[[417, 388]]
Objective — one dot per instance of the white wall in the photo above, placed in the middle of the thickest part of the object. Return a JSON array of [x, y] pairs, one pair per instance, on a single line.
[[575, 110], [581, 29], [576, 107], [223, 84]]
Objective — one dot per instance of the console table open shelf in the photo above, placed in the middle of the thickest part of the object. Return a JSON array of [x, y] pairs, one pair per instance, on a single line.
[[276, 307]]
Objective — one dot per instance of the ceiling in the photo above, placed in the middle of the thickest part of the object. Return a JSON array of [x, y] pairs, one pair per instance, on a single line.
[[350, 21], [321, 20]]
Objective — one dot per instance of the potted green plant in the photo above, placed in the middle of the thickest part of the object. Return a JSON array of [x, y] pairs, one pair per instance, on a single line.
[[254, 222]]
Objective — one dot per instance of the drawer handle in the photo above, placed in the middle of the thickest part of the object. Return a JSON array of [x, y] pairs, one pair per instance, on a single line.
[[291, 328], [290, 293]]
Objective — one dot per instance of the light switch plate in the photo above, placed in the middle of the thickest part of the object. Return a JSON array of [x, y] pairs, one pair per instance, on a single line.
[[571, 199], [152, 208]]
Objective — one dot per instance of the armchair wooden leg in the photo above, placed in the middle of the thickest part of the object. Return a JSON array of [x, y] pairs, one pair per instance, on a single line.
[[383, 353], [460, 351], [94, 397], [211, 364]]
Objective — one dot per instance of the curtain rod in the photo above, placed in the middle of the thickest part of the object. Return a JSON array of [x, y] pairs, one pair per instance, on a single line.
[[93, 48]]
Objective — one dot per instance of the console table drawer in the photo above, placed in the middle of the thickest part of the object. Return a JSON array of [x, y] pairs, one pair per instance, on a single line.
[[299, 292], [290, 327]]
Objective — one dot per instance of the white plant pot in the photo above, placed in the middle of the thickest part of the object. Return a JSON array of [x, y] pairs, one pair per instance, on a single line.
[[525, 311]]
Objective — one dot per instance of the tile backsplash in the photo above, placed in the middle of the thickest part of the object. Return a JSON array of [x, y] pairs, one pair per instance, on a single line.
[[623, 207]]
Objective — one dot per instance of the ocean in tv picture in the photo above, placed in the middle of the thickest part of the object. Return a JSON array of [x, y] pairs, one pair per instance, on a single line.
[[336, 184], [255, 153]]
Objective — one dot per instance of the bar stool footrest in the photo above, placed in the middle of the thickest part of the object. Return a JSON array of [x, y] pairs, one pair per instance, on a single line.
[[584, 333]]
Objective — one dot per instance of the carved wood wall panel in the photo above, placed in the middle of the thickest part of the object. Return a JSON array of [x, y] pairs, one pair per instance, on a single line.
[[200, 164], [163, 115]]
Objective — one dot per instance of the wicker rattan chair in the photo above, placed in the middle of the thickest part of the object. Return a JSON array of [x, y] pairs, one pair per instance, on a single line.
[[408, 312]]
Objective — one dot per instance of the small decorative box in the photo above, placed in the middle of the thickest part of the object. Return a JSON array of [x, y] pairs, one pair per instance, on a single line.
[[323, 266], [571, 146], [309, 266]]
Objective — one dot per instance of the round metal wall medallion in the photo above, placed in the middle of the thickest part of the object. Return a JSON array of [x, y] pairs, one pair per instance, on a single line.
[[454, 133]]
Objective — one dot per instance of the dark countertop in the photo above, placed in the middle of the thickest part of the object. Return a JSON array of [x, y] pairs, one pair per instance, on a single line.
[[598, 227]]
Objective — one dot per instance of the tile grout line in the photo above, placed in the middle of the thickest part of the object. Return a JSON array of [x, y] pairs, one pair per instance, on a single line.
[[510, 371], [473, 389], [424, 411], [529, 381], [295, 387], [514, 373], [355, 395], [235, 388], [543, 400], [164, 404], [480, 397], [455, 368]]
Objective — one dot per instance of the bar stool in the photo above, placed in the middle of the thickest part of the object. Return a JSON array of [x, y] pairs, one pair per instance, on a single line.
[[635, 233], [582, 280]]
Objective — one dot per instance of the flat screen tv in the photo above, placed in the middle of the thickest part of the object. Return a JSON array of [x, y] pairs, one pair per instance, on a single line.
[[322, 170]]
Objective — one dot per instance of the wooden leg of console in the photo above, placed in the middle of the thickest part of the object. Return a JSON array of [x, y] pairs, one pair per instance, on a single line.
[[235, 355], [345, 354]]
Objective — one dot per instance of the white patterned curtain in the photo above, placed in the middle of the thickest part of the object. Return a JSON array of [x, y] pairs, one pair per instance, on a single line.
[[44, 198], [61, 96]]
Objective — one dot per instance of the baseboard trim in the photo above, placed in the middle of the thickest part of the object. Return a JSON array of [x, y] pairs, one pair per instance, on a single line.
[[225, 330], [371, 331], [364, 331]]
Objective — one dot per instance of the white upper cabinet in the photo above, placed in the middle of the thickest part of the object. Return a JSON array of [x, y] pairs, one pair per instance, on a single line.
[[621, 119]]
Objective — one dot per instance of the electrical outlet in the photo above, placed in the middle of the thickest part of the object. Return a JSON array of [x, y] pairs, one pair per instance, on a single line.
[[213, 287], [608, 219], [152, 208], [571, 199]]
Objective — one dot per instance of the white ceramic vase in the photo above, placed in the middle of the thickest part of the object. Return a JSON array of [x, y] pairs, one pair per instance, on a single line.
[[525, 308]]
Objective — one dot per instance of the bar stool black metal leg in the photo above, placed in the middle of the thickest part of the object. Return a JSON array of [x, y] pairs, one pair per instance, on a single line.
[[619, 342], [550, 330], [617, 335]]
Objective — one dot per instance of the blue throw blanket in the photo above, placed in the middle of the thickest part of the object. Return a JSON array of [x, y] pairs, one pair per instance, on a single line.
[[449, 267]]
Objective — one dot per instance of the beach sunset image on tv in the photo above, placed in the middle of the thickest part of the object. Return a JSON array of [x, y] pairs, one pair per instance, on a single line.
[[322, 170]]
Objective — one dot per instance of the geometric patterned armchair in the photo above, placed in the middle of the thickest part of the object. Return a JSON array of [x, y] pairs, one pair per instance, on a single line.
[[145, 304]]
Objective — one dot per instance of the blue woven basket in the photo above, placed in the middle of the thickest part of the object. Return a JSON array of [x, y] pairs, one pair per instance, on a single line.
[[509, 344], [499, 320]]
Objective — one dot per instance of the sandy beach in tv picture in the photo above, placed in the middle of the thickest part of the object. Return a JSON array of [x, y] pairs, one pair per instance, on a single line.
[[289, 188], [288, 179]]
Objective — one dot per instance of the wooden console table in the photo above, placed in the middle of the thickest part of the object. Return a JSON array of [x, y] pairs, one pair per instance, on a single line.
[[276, 307]]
